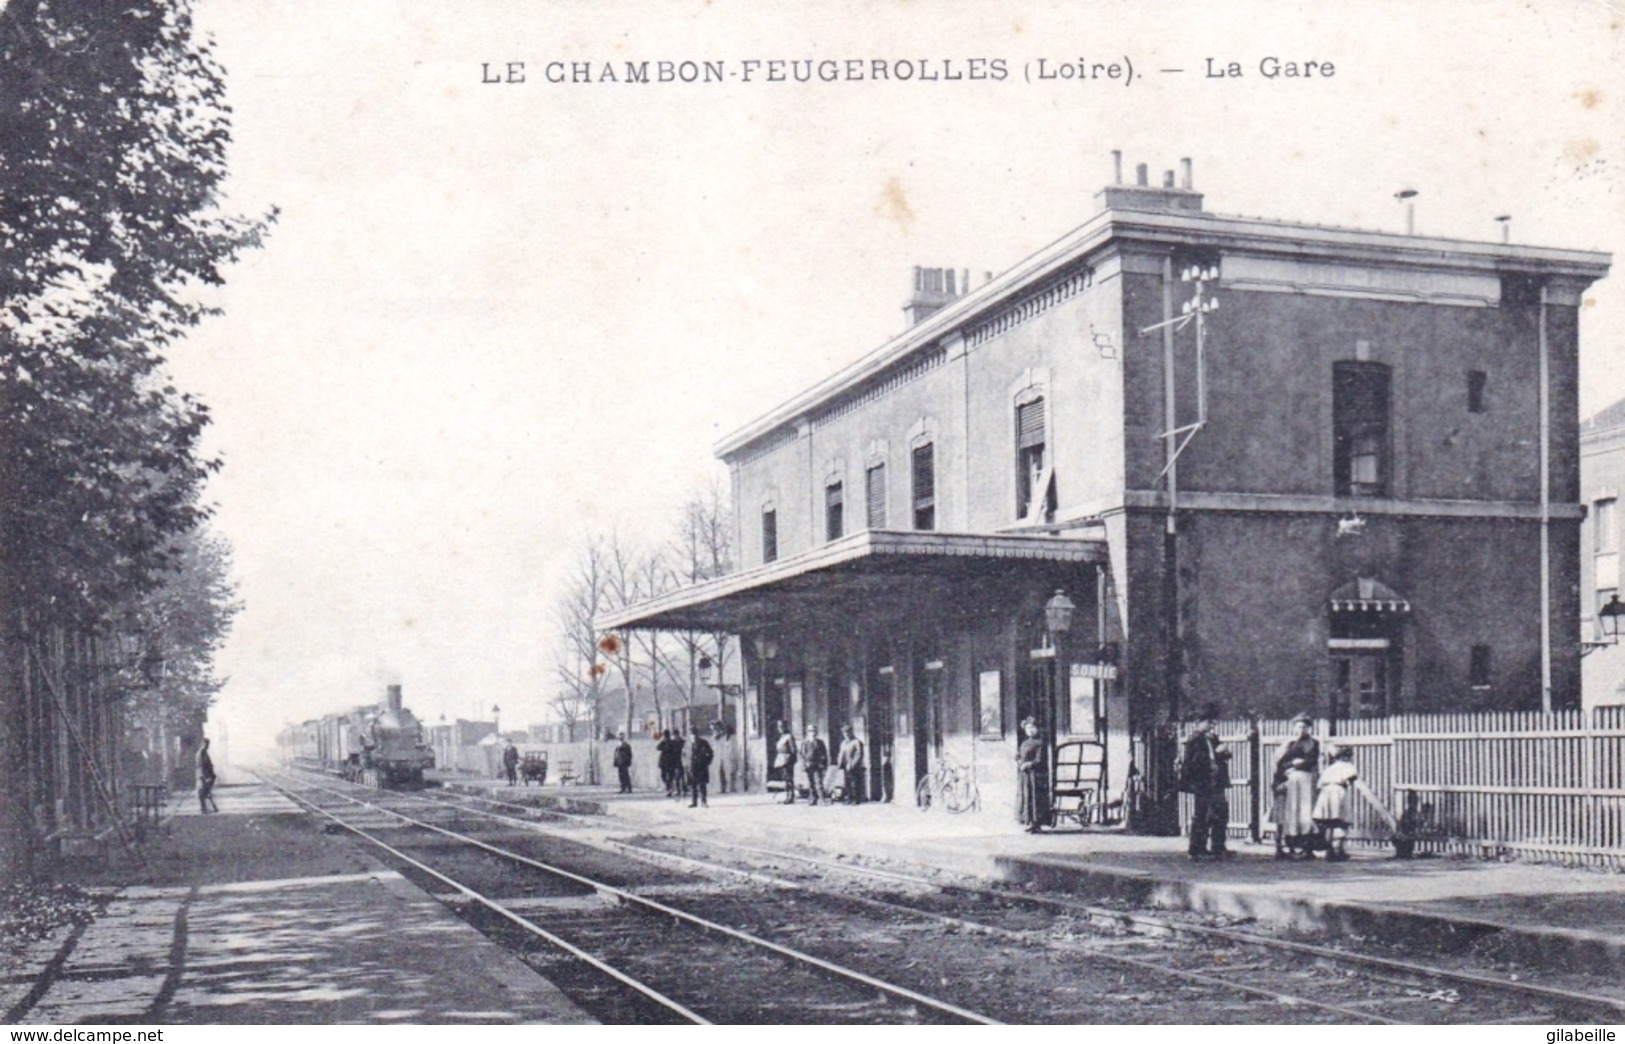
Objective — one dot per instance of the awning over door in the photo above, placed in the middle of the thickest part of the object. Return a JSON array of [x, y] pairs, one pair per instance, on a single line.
[[855, 573], [1366, 595]]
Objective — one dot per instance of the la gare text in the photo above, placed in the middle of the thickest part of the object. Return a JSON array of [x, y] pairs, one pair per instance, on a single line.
[[922, 70]]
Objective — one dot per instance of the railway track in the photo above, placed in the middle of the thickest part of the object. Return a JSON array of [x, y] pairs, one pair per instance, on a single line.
[[613, 939], [1208, 968]]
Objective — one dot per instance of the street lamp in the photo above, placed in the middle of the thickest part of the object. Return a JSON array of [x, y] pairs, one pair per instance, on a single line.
[[1058, 614], [1608, 618], [711, 677]]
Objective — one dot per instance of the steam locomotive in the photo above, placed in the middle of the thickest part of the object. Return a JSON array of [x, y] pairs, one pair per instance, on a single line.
[[380, 745]]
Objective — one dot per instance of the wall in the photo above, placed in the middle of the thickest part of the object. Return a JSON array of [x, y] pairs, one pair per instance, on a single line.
[[1602, 474], [965, 406], [1256, 595]]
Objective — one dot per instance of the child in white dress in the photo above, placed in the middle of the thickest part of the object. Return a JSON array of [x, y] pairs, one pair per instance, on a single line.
[[1332, 800]]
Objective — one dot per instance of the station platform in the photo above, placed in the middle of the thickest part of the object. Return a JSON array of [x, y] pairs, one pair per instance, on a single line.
[[255, 915], [1535, 915]]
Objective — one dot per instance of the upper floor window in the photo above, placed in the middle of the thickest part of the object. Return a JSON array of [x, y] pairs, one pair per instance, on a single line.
[[832, 511], [1360, 429], [1035, 483], [1478, 667], [1605, 525], [874, 492], [770, 535], [1476, 381], [925, 486]]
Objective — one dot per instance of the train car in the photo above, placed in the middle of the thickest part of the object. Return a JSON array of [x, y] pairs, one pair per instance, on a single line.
[[381, 745]]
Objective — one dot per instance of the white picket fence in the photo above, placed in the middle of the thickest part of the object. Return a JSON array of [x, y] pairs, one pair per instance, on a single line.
[[1540, 786]]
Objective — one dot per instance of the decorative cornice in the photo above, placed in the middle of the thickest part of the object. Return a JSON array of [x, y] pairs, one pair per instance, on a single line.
[[1167, 231]]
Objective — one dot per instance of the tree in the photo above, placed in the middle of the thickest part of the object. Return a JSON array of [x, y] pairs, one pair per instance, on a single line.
[[170, 637], [704, 549], [578, 668], [113, 138]]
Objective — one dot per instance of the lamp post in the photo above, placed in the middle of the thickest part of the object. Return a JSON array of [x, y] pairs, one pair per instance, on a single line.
[[1057, 622], [711, 678]]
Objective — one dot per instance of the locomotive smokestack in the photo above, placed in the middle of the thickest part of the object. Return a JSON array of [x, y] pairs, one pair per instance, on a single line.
[[392, 698]]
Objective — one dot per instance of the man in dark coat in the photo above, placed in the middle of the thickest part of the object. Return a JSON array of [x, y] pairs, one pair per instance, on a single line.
[[622, 761], [814, 762], [666, 758], [699, 769], [851, 759], [784, 762], [510, 764], [1205, 775], [205, 780]]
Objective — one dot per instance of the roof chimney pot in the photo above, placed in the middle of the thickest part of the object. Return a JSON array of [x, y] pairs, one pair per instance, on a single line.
[[1185, 173], [1142, 175], [1117, 166]]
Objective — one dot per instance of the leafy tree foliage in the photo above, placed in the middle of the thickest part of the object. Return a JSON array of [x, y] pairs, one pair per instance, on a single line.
[[113, 147]]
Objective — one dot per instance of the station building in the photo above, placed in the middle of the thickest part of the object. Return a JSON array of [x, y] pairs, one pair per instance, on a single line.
[[1272, 467], [1602, 477]]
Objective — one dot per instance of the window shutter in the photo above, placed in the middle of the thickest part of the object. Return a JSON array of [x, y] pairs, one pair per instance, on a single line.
[[876, 496], [925, 475], [1030, 424]]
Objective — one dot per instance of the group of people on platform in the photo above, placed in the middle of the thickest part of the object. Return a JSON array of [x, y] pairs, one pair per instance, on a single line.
[[811, 760], [685, 765], [1310, 803]]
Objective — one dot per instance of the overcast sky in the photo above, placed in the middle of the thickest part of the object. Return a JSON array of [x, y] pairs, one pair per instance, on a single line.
[[496, 318]]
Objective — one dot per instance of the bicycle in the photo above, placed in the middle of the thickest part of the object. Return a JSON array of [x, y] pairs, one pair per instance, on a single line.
[[950, 785]]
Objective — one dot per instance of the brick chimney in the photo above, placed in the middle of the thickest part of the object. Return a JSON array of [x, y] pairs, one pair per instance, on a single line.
[[1142, 195], [933, 288]]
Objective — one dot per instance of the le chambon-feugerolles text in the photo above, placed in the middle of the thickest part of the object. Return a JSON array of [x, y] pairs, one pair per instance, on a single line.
[[1119, 70]]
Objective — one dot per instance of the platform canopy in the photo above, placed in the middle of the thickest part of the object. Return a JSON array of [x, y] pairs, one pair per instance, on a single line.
[[857, 573]]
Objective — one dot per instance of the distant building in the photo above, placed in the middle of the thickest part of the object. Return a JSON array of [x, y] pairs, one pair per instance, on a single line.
[[1602, 477], [1357, 494]]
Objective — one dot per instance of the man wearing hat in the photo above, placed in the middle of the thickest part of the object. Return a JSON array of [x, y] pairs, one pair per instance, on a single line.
[[1205, 775]]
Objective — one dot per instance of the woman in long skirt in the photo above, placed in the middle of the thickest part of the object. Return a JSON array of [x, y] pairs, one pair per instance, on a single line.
[[1297, 764], [1032, 808]]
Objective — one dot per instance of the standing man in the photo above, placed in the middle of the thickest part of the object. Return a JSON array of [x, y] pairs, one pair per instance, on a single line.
[[814, 762], [726, 772], [851, 763], [510, 763], [622, 760], [205, 780], [784, 762], [664, 758], [699, 769], [1205, 775]]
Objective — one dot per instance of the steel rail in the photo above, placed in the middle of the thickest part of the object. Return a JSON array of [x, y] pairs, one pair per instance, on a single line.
[[615, 973], [656, 906], [1476, 979], [1490, 982], [1138, 964]]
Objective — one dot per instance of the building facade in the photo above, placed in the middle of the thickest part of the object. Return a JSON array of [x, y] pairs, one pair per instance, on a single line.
[[1602, 476], [1273, 467]]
